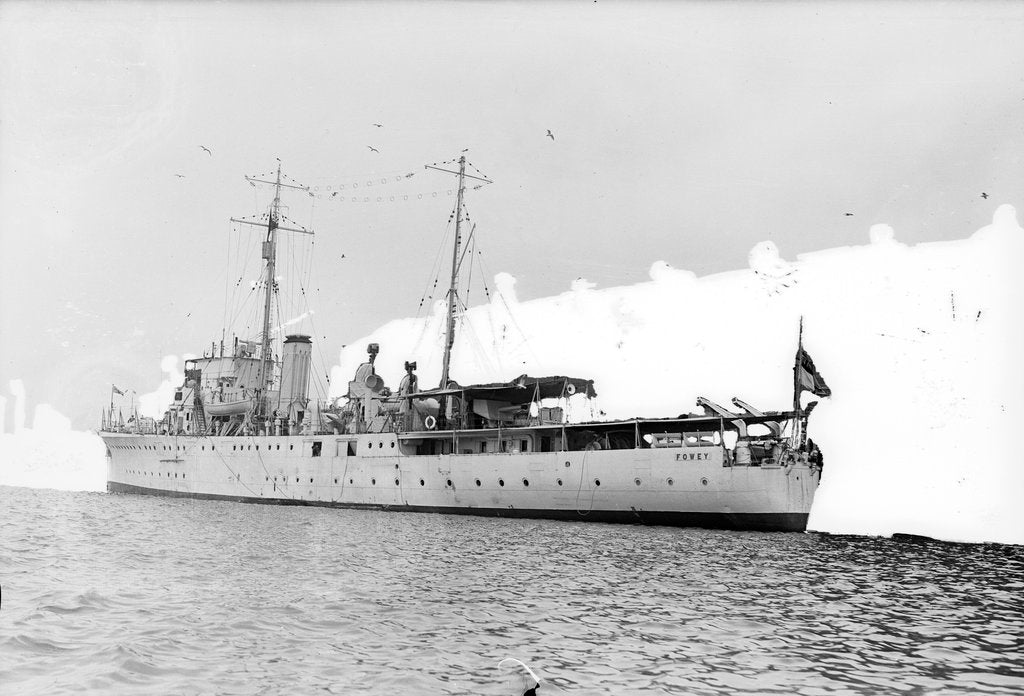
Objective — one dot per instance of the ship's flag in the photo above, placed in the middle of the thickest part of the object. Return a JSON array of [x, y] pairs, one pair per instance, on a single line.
[[116, 390], [807, 376]]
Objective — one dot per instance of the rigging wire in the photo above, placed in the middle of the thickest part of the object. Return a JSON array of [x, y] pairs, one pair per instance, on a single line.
[[512, 316]]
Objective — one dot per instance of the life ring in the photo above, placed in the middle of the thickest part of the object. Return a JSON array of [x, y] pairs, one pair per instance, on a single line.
[[430, 422], [570, 389]]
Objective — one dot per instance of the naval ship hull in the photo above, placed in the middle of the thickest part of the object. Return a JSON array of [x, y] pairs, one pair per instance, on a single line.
[[677, 486]]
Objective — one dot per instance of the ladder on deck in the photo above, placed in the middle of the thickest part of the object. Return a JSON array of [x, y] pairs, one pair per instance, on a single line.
[[198, 413]]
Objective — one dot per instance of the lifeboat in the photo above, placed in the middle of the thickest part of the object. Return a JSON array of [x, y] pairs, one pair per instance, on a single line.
[[227, 408]]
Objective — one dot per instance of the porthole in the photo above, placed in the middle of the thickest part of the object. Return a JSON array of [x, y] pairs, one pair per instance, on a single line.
[[335, 480], [296, 479], [396, 482], [449, 482], [670, 482], [526, 483], [558, 481], [279, 447], [703, 482], [350, 480], [422, 482], [501, 482], [234, 447], [266, 478], [311, 480], [373, 482], [478, 482], [257, 448], [636, 481], [291, 447], [380, 445], [567, 465], [392, 445], [597, 482], [213, 447]]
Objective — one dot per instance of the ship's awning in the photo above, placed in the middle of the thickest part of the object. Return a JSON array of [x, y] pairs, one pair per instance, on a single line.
[[522, 390]]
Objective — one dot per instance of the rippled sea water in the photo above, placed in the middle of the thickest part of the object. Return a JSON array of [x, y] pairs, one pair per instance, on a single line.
[[140, 595]]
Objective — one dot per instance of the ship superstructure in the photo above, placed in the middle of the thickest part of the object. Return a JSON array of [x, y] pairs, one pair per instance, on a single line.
[[243, 427]]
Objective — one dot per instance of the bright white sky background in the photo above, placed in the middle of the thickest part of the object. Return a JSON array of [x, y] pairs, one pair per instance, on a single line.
[[684, 132]]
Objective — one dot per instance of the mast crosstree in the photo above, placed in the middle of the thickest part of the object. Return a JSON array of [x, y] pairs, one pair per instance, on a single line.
[[453, 289], [266, 373]]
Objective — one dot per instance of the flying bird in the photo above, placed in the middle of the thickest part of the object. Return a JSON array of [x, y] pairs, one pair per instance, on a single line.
[[334, 194], [848, 214], [984, 195], [207, 150], [373, 149], [550, 135], [180, 176], [379, 125]]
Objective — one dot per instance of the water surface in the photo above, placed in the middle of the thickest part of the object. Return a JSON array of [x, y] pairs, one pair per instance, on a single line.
[[140, 595]]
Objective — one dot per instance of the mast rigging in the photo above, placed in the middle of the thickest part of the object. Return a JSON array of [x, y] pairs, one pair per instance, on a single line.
[[265, 375], [456, 265]]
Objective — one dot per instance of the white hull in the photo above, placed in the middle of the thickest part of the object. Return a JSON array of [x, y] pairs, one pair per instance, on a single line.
[[686, 486]]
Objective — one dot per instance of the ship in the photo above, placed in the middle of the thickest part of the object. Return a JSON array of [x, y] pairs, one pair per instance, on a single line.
[[244, 427]]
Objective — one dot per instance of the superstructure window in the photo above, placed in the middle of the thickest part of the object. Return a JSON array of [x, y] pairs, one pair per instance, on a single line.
[[316, 448]]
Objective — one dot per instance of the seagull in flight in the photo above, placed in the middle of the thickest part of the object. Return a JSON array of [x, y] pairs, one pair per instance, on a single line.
[[180, 176], [379, 125], [334, 194], [984, 195], [203, 147], [550, 134], [373, 149], [848, 214]]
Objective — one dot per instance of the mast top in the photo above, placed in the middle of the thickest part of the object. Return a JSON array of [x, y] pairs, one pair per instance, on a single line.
[[453, 288]]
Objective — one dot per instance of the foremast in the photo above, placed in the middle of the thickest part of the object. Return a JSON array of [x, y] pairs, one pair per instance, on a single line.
[[265, 373]]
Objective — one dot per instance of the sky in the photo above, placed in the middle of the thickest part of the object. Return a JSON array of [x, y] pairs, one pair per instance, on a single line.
[[685, 133]]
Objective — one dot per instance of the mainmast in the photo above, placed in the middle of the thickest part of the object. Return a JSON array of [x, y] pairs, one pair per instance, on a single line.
[[265, 375], [453, 288]]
